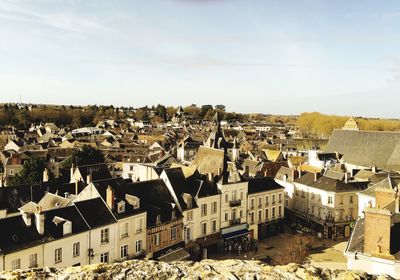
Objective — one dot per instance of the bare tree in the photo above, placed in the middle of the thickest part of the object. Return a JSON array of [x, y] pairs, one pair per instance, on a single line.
[[297, 250]]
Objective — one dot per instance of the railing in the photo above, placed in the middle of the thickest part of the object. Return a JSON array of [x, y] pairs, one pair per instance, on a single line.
[[234, 221], [234, 203]]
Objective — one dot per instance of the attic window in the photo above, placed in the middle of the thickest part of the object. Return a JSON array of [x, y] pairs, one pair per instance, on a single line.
[[15, 238], [121, 207], [158, 219]]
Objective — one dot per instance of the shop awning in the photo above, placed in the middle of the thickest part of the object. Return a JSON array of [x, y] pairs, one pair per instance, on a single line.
[[177, 255], [235, 234]]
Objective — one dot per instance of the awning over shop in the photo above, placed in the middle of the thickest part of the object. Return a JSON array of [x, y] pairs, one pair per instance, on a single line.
[[177, 255], [235, 234]]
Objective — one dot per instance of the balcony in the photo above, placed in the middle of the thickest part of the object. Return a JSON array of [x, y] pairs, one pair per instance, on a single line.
[[234, 203], [234, 221]]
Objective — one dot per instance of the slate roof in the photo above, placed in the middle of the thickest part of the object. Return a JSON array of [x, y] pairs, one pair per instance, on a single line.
[[95, 212], [262, 184], [70, 213], [15, 234], [367, 148], [329, 184]]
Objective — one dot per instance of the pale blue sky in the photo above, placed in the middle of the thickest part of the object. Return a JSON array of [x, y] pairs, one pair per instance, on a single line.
[[264, 56]]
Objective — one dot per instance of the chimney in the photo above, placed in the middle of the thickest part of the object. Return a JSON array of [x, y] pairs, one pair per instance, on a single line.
[[39, 219], [89, 178], [110, 197], [1, 181], [76, 188], [377, 232], [45, 175], [27, 217], [72, 171], [346, 177]]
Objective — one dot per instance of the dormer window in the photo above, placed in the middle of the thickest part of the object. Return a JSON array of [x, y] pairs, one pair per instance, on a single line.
[[133, 200], [67, 228], [173, 215], [121, 207], [158, 219]]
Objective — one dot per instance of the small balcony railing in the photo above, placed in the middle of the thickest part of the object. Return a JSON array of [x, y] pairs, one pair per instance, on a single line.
[[234, 203], [234, 221]]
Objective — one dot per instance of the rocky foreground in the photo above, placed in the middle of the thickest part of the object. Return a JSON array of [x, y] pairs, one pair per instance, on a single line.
[[207, 269]]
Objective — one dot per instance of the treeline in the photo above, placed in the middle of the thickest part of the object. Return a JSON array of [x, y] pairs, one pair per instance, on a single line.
[[61, 116], [322, 125], [78, 116]]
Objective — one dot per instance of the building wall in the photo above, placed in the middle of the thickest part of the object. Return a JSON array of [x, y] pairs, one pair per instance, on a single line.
[[163, 231], [264, 206], [24, 256], [210, 216], [66, 244], [135, 233], [229, 193], [373, 265], [98, 247]]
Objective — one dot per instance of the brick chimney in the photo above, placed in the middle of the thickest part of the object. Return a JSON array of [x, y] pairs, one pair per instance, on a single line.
[[72, 171], [110, 197]]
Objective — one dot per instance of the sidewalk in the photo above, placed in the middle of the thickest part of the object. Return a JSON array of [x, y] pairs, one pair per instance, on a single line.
[[324, 253]]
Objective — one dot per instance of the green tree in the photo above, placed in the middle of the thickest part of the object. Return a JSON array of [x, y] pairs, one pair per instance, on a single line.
[[83, 156], [31, 173]]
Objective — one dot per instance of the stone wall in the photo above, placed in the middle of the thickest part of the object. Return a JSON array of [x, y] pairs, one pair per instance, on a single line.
[[207, 269]]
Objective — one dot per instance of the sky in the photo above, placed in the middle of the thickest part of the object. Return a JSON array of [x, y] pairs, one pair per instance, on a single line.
[[266, 56]]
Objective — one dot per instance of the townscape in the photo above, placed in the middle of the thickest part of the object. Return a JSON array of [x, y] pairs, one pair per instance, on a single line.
[[181, 187]]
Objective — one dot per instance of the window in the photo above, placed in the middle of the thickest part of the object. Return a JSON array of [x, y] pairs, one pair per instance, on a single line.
[[351, 199], [241, 195], [280, 197], [104, 257], [188, 234], [124, 230], [190, 215], [241, 213], [124, 251], [252, 217], [280, 210], [139, 225], [259, 215], [58, 255], [12, 173], [226, 216], [266, 214], [252, 202], [33, 260], [214, 207], [157, 240], [273, 198], [226, 198], [105, 235], [267, 200], [203, 210], [203, 229], [173, 233], [138, 246], [330, 200], [16, 264], [76, 248], [259, 201], [214, 226], [131, 168], [273, 212]]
